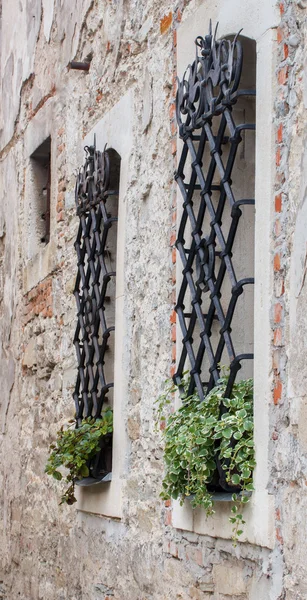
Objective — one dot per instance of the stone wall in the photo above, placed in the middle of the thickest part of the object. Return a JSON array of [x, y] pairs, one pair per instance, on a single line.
[[50, 552]]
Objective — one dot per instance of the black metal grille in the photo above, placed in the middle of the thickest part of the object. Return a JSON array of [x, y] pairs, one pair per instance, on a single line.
[[205, 99], [93, 332]]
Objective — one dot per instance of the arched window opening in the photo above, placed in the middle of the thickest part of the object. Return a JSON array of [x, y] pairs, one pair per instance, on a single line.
[[216, 177]]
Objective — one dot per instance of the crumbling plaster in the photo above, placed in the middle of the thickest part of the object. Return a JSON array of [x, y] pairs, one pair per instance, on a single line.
[[50, 552]]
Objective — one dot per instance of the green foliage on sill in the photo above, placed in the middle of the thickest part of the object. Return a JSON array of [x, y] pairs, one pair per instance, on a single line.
[[195, 434], [73, 448]]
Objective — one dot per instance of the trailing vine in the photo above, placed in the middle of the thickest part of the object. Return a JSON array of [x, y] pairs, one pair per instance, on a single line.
[[197, 433], [74, 448]]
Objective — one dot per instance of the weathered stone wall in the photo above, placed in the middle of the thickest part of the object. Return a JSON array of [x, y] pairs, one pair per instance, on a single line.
[[50, 552]]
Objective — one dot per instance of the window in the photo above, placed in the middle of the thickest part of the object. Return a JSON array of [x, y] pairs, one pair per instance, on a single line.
[[97, 190], [41, 181], [39, 244], [216, 232], [115, 129], [258, 24]]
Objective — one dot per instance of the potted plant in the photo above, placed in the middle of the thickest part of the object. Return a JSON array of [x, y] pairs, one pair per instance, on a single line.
[[85, 451], [204, 440]]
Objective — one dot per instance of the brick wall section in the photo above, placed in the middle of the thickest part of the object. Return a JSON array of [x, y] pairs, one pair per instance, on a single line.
[[287, 42], [38, 302], [280, 207], [165, 24], [279, 240]]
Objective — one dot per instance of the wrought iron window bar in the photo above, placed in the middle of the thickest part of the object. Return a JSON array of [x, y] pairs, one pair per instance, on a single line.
[[92, 334], [204, 108]]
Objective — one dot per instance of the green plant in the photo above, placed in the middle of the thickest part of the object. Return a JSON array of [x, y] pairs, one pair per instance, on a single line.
[[197, 433], [74, 448]]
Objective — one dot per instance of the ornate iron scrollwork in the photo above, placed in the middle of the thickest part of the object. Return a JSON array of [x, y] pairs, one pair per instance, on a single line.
[[92, 179], [204, 107], [210, 82], [93, 278]]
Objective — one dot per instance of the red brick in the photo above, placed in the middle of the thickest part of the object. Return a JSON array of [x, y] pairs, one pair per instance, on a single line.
[[174, 147], [173, 317], [172, 110], [173, 238], [277, 262], [277, 391], [279, 288], [168, 518], [278, 156], [60, 216], [165, 23], [279, 133], [283, 75], [174, 352], [279, 536], [286, 51], [174, 83], [277, 312], [278, 337], [61, 148], [167, 503], [173, 332], [174, 38], [280, 35], [174, 201], [281, 8], [278, 203], [173, 127], [172, 370], [49, 312], [174, 256]]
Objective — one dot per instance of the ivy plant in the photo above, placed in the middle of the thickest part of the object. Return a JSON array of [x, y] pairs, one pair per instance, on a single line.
[[74, 448], [199, 432]]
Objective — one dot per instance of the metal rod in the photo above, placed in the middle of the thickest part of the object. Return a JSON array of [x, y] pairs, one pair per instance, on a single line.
[[79, 66]]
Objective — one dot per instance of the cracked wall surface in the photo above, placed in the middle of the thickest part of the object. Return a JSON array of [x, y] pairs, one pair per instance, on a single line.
[[58, 553]]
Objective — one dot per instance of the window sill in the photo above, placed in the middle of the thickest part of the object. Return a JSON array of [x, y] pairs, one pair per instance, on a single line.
[[227, 497], [87, 481], [258, 514]]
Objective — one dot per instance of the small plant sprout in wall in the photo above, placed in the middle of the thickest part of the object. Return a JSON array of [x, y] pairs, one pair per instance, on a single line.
[[74, 448], [204, 440]]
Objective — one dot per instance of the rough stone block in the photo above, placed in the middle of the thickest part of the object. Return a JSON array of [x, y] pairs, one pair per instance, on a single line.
[[229, 579]]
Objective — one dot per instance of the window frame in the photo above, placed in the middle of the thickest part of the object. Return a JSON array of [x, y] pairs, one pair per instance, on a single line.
[[258, 23], [115, 130], [39, 264]]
